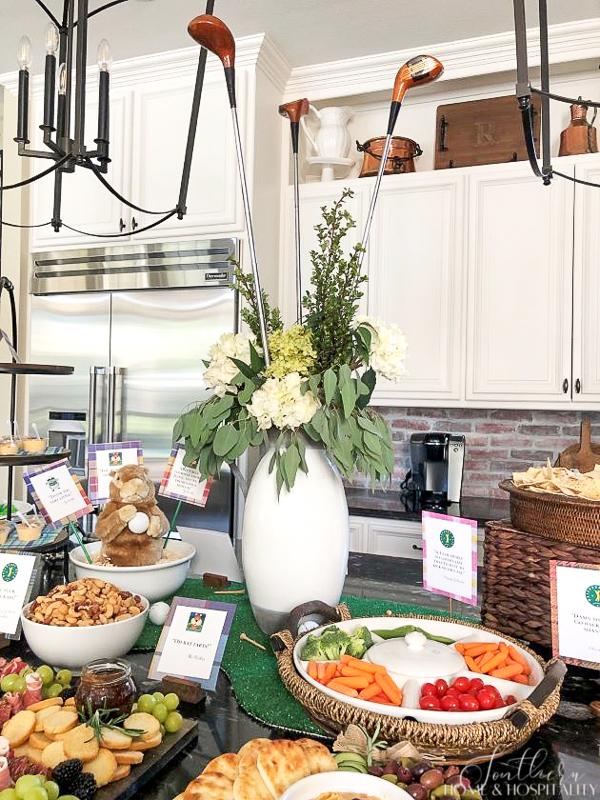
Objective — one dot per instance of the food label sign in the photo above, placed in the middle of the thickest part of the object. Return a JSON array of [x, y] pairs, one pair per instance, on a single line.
[[450, 556], [183, 483], [17, 577], [103, 459], [57, 493], [575, 593]]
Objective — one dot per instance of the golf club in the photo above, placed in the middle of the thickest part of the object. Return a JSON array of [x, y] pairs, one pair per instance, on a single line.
[[417, 71], [294, 111], [212, 33]]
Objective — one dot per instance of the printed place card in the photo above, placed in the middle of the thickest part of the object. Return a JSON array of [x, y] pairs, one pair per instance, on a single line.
[[103, 459], [192, 641], [183, 483], [575, 594], [58, 493], [450, 556], [18, 575]]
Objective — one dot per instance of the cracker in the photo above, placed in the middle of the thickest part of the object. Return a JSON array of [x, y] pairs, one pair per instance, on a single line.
[[81, 743], [60, 722], [129, 756], [103, 767], [143, 722], [48, 703], [39, 740], [53, 754], [114, 740], [19, 728], [146, 744], [121, 772]]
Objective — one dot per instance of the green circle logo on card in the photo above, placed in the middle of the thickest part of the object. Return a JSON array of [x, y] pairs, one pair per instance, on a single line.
[[447, 538], [592, 595], [9, 573]]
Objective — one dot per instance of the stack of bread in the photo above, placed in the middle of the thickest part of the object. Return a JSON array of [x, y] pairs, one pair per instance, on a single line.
[[262, 770]]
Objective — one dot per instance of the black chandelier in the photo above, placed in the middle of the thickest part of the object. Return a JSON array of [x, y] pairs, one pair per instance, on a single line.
[[64, 112], [524, 90]]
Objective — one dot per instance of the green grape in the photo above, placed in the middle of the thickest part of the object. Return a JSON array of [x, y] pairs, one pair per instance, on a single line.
[[27, 782], [19, 685], [171, 701], [146, 703], [8, 794], [160, 712], [64, 677], [25, 671], [46, 673], [68, 797], [158, 696], [45, 694], [36, 793], [173, 722], [55, 689], [52, 788], [8, 682]]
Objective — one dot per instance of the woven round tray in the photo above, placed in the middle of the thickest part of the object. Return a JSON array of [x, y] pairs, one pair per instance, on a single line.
[[554, 516], [449, 744]]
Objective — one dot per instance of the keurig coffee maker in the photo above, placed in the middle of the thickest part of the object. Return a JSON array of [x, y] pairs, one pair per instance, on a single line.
[[437, 461]]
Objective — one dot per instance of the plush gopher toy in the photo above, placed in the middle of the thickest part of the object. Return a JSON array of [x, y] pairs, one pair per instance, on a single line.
[[131, 524]]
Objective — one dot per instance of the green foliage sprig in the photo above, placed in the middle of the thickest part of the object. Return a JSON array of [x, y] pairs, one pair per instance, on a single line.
[[244, 284]]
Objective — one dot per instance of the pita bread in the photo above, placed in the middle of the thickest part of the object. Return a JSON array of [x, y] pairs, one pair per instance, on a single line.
[[248, 753], [318, 756], [281, 764], [250, 786], [226, 764], [213, 786]]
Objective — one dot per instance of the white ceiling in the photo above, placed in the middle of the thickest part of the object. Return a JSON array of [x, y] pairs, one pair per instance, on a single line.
[[306, 31]]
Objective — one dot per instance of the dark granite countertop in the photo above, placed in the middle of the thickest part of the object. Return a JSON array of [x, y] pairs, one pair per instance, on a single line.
[[561, 761], [389, 504]]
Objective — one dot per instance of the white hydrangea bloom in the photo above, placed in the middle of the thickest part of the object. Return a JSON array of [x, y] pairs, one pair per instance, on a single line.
[[221, 370], [389, 347], [280, 402]]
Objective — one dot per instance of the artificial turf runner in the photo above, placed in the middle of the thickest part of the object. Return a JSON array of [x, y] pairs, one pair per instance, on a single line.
[[253, 672]]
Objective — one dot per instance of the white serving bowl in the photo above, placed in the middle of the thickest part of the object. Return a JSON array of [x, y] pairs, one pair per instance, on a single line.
[[74, 647], [311, 787], [154, 582]]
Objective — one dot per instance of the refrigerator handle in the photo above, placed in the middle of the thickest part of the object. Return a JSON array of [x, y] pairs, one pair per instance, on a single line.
[[118, 403], [95, 372], [110, 404]]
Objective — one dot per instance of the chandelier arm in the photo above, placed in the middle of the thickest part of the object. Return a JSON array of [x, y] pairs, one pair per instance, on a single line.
[[545, 84], [47, 11], [39, 175], [136, 232], [562, 99], [527, 120], [14, 224], [576, 180], [90, 165], [103, 8]]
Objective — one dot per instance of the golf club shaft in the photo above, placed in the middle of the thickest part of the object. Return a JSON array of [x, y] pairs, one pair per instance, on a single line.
[[262, 322], [382, 163], [297, 232]]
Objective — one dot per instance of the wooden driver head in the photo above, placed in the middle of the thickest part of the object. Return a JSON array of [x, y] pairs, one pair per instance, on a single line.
[[294, 110], [417, 70], [211, 32]]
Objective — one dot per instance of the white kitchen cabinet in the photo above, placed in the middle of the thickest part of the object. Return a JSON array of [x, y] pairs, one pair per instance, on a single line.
[[416, 279], [313, 196], [520, 286], [86, 204], [358, 535], [586, 283]]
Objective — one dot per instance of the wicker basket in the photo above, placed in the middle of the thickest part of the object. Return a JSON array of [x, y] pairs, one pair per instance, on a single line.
[[516, 594], [554, 516], [443, 744]]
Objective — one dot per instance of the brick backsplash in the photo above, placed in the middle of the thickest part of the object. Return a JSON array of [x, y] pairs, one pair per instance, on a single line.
[[498, 441]]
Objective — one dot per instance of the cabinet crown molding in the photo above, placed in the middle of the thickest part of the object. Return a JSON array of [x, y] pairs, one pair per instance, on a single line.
[[464, 58]]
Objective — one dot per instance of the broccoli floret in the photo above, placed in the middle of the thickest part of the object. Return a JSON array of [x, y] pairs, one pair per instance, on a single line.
[[334, 643], [359, 643], [312, 650]]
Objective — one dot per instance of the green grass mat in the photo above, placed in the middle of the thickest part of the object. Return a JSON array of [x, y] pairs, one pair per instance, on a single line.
[[253, 672]]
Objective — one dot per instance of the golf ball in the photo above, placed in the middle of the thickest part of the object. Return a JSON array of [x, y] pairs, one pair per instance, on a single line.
[[139, 522], [158, 613]]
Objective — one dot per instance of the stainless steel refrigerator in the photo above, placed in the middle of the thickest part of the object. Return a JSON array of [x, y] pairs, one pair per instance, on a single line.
[[136, 322]]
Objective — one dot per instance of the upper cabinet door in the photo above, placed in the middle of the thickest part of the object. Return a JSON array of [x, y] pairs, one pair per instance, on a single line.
[[586, 284], [313, 196], [416, 276], [520, 293], [160, 129], [86, 204]]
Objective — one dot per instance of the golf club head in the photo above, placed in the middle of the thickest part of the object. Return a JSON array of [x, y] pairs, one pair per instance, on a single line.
[[294, 110], [212, 33], [417, 71]]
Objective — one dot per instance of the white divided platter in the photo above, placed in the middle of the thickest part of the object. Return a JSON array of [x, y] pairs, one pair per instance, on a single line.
[[411, 686]]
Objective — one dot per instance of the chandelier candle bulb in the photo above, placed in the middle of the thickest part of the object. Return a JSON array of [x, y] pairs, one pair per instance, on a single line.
[[104, 64], [24, 60]]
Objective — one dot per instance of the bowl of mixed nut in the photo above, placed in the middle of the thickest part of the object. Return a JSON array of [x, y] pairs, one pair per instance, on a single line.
[[82, 621]]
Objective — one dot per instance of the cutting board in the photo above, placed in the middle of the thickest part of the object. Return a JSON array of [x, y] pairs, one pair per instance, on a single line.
[[583, 456], [154, 761]]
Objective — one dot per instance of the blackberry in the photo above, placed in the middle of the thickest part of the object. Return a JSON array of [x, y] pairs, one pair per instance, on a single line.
[[67, 773], [68, 691], [85, 786]]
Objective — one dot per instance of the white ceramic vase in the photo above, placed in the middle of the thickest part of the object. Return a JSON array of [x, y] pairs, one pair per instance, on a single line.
[[295, 546]]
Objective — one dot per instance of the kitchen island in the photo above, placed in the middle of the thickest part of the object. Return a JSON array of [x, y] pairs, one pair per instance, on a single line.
[[561, 761]]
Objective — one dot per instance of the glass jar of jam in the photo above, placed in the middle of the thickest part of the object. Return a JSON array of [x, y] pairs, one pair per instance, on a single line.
[[106, 684]]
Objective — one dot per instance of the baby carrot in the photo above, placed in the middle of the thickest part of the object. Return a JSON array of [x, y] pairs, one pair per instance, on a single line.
[[365, 666], [494, 662], [472, 664], [371, 691], [342, 689], [507, 672], [520, 659], [313, 670], [478, 650], [381, 698], [521, 679], [352, 672], [320, 671], [389, 688], [360, 682], [460, 647], [330, 670], [486, 657]]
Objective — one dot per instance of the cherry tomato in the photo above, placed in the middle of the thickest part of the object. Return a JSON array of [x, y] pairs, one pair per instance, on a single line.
[[475, 684], [510, 700], [499, 703], [452, 692], [441, 687], [486, 699], [430, 703], [461, 685], [468, 703], [450, 703], [428, 690]]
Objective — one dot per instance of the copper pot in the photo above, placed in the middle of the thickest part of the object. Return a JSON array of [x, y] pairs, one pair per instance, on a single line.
[[401, 157]]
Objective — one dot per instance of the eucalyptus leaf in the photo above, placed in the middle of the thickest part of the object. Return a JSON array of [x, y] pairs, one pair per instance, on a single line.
[[348, 398], [225, 439], [329, 385]]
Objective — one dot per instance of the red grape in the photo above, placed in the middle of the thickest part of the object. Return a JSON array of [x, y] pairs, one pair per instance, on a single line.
[[430, 703], [462, 685], [468, 702], [427, 690], [441, 687], [450, 703]]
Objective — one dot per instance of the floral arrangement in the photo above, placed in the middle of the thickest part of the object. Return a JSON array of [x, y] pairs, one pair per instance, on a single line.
[[319, 382]]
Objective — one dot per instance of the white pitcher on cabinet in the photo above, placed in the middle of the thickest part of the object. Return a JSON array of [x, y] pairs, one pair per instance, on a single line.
[[332, 140]]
